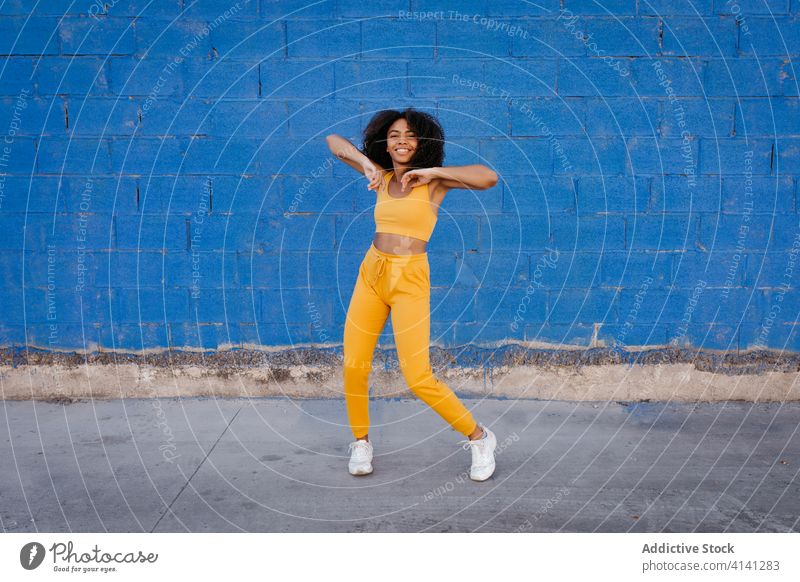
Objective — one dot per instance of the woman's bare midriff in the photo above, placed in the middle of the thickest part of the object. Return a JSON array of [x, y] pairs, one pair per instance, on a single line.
[[398, 244]]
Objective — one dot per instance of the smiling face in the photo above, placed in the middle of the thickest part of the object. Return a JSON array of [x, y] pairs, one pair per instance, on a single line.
[[401, 142]]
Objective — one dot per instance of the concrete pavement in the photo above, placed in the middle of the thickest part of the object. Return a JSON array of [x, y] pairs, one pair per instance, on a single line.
[[279, 465]]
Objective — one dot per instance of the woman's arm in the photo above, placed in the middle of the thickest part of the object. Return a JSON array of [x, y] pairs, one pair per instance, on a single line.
[[346, 152], [473, 177], [350, 155]]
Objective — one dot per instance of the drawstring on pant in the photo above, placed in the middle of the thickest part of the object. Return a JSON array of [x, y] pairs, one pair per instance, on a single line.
[[377, 270], [376, 262]]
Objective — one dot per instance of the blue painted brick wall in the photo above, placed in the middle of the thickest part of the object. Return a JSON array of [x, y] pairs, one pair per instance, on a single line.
[[165, 179]]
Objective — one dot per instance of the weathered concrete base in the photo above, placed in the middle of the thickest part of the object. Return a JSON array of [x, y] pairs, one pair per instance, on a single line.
[[662, 375]]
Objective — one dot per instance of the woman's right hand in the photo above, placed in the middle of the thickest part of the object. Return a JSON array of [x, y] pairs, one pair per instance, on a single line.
[[374, 174]]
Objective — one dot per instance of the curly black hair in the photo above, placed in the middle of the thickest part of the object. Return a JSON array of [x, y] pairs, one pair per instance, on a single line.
[[430, 137]]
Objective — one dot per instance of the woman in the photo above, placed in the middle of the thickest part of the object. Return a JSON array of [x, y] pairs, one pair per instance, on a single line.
[[394, 275]]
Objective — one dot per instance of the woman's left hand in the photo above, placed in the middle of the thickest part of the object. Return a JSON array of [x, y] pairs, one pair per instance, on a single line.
[[414, 178]]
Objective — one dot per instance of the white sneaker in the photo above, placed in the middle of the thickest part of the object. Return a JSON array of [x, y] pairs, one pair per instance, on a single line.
[[360, 458], [482, 455]]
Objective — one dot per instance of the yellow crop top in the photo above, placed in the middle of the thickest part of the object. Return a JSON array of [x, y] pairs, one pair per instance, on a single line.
[[411, 215]]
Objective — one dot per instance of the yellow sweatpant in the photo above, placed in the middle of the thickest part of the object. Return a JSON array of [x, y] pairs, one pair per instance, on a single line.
[[400, 284]]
